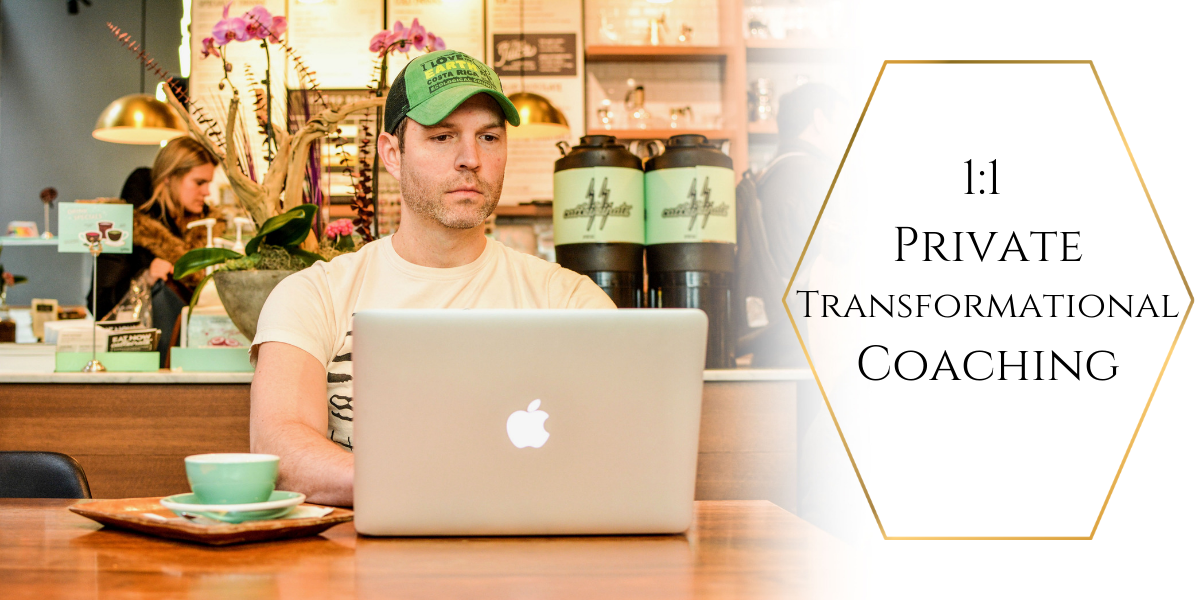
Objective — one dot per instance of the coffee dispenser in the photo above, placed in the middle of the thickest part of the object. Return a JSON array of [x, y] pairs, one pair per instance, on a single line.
[[599, 216], [691, 236]]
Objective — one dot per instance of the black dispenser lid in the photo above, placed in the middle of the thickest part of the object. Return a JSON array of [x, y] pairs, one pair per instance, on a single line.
[[689, 150], [598, 151]]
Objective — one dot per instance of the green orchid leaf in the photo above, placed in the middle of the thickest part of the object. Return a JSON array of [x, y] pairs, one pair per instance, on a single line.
[[196, 297], [287, 229], [196, 260], [309, 257]]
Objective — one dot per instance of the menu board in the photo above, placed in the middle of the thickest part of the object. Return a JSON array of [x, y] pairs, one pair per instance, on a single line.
[[545, 60], [333, 37], [535, 54], [459, 22]]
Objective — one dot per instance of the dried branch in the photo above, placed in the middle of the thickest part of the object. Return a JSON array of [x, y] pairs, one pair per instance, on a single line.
[[208, 127], [363, 207]]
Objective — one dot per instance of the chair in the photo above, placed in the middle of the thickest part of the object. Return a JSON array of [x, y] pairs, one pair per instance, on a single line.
[[41, 475]]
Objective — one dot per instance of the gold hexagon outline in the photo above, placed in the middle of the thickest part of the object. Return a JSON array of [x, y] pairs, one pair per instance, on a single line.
[[817, 378]]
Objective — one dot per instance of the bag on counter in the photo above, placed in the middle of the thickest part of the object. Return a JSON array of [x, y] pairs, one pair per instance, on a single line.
[[135, 305]]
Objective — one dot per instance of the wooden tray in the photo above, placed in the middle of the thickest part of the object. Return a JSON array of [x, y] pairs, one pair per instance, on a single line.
[[131, 514]]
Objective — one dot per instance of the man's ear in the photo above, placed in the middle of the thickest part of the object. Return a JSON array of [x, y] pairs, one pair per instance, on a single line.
[[388, 147]]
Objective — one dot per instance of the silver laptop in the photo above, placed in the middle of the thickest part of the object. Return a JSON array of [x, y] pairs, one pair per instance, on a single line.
[[526, 422]]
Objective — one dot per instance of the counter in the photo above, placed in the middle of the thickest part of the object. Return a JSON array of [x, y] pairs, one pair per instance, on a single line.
[[131, 431], [165, 376]]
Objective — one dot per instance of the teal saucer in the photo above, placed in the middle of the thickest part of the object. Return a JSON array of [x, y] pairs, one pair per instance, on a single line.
[[279, 504]]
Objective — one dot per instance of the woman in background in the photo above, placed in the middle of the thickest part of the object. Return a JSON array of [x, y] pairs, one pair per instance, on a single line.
[[179, 180], [180, 177], [165, 198]]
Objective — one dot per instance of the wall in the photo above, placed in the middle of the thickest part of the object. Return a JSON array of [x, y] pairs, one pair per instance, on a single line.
[[57, 72]]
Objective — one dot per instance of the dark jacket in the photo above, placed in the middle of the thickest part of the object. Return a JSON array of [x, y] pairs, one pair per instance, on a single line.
[[115, 271]]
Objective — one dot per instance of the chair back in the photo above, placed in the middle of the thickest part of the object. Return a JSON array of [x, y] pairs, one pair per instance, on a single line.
[[41, 475]]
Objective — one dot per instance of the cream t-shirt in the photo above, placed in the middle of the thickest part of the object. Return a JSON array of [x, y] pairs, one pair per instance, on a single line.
[[312, 309]]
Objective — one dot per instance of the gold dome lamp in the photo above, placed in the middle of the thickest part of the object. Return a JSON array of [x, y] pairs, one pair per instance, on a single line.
[[138, 119], [539, 118]]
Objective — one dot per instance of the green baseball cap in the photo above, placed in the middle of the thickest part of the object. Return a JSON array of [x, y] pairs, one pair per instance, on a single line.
[[432, 85]]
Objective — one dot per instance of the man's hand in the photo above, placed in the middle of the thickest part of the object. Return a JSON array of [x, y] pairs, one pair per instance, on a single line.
[[160, 269], [289, 417]]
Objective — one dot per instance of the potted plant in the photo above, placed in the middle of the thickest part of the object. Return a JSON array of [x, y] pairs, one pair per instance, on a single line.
[[245, 280]]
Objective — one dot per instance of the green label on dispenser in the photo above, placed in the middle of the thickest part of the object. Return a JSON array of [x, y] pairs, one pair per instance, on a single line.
[[690, 204], [598, 205]]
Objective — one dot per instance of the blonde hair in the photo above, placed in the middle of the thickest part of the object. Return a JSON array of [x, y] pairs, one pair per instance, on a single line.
[[175, 160]]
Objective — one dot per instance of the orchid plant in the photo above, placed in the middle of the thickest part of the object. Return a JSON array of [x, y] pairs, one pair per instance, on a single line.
[[281, 200], [256, 24], [402, 40], [396, 40]]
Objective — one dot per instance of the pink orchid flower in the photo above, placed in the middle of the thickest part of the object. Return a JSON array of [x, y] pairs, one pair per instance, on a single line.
[[228, 30], [399, 34], [405, 39], [416, 34], [207, 48], [258, 19], [379, 42], [390, 40], [278, 27]]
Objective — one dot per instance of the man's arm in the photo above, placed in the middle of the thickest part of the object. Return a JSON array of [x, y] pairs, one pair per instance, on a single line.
[[288, 418]]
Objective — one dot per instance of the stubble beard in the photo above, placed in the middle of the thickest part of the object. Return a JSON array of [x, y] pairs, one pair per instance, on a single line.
[[424, 197]]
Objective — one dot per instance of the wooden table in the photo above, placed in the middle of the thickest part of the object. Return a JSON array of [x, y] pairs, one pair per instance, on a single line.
[[735, 549], [130, 431]]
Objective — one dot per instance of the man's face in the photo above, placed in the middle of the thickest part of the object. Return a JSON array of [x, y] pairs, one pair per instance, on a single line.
[[452, 172]]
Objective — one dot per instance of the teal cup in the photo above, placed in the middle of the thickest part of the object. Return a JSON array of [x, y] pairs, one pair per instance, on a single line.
[[232, 478]]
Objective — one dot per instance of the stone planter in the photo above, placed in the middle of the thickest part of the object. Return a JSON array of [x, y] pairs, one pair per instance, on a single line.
[[243, 293]]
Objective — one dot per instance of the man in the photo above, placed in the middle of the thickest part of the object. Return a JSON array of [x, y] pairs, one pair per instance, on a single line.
[[446, 113], [812, 132]]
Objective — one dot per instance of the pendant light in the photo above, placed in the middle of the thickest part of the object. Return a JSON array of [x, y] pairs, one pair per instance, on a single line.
[[139, 118], [540, 119]]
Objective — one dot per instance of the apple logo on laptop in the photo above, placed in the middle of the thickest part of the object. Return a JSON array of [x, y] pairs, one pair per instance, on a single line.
[[527, 428]]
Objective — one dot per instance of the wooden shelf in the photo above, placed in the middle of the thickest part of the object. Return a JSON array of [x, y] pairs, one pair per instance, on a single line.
[[524, 210], [656, 53], [789, 51], [662, 134]]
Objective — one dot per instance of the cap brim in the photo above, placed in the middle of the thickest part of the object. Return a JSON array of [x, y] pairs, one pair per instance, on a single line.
[[436, 108]]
